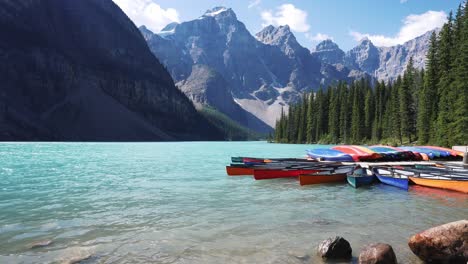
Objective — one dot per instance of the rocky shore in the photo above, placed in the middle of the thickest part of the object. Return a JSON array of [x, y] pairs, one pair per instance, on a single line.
[[446, 243]]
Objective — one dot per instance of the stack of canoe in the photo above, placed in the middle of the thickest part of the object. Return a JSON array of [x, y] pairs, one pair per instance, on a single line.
[[350, 153], [310, 171]]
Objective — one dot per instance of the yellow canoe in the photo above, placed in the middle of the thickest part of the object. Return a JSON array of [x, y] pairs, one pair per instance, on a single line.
[[454, 185]]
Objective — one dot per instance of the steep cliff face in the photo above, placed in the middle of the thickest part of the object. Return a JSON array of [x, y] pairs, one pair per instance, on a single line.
[[207, 88], [393, 60], [365, 57], [382, 63], [80, 70]]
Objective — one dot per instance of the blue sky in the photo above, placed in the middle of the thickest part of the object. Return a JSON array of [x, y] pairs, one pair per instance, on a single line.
[[385, 22]]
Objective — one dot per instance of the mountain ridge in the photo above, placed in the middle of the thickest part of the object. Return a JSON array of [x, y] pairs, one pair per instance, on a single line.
[[264, 73], [81, 71]]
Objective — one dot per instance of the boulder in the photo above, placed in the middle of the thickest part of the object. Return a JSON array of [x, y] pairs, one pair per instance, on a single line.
[[377, 254], [446, 243], [335, 248]]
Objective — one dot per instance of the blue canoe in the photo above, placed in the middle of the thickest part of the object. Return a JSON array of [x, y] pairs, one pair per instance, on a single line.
[[359, 178], [329, 155], [442, 153], [386, 177]]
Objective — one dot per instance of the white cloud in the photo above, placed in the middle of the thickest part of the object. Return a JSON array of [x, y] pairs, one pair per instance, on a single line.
[[148, 13], [254, 3], [318, 37], [403, 1], [413, 26], [287, 14]]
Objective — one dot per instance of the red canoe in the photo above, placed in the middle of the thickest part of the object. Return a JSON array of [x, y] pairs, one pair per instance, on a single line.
[[239, 171], [268, 174]]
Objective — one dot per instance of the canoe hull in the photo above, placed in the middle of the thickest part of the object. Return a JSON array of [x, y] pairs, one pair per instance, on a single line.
[[401, 183], [268, 174], [359, 181], [318, 179], [239, 171], [453, 185]]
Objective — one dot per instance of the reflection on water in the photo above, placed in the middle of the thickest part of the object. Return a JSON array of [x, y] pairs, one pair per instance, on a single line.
[[173, 203]]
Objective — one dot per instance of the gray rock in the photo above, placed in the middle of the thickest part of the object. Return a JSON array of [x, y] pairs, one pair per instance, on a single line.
[[377, 254], [335, 248], [447, 243]]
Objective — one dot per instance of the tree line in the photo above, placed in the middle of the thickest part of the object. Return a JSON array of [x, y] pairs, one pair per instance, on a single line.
[[428, 106]]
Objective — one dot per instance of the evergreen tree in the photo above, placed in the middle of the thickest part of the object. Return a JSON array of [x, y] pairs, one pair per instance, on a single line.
[[321, 114], [344, 114], [428, 95], [445, 52], [310, 120], [460, 114], [334, 114]]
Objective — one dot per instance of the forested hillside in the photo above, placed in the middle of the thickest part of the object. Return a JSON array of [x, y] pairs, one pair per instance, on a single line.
[[425, 107]]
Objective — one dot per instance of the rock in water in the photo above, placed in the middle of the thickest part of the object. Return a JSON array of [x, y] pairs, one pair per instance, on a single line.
[[41, 244], [445, 243], [335, 248], [377, 254]]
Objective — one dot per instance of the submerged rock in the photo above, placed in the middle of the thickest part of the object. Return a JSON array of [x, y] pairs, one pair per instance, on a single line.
[[335, 248], [377, 254], [40, 244], [445, 243]]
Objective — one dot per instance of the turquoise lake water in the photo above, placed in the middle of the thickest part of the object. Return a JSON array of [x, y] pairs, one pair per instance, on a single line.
[[173, 203]]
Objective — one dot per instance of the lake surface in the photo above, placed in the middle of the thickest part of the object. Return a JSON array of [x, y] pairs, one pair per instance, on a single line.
[[173, 203]]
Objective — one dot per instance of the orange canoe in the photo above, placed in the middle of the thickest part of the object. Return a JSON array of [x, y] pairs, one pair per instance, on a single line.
[[239, 171], [308, 179], [454, 185]]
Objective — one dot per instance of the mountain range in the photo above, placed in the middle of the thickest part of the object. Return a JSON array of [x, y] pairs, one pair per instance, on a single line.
[[81, 71], [218, 63]]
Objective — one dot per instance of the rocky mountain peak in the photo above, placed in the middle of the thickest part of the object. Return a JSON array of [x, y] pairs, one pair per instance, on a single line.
[[329, 52], [147, 34], [365, 42], [276, 36], [327, 45], [220, 11]]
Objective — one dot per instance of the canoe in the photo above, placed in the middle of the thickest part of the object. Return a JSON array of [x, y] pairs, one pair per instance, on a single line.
[[432, 154], [386, 176], [407, 155], [321, 177], [359, 179], [454, 153], [358, 154], [268, 160], [329, 155], [239, 171], [395, 155], [447, 183], [268, 174]]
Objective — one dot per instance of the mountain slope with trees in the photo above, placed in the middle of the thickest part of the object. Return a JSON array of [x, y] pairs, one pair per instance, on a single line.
[[422, 106]]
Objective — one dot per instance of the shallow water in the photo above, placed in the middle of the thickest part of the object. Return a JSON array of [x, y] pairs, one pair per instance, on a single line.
[[173, 203]]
